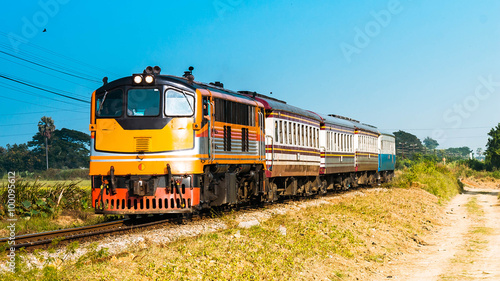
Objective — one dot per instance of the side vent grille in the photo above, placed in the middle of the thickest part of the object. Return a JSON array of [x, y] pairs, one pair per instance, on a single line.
[[143, 144], [227, 138], [244, 139]]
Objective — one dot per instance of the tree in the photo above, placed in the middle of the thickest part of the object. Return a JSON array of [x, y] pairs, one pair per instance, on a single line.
[[493, 148], [68, 149], [456, 153], [430, 143], [17, 158], [407, 143], [45, 128]]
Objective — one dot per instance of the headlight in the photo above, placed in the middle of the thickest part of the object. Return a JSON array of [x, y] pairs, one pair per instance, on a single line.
[[137, 79], [149, 79]]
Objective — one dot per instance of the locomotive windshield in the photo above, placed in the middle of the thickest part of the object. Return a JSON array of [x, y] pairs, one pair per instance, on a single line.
[[143, 102], [110, 104], [178, 103]]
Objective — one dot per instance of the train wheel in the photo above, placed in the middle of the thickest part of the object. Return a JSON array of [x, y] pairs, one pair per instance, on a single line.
[[324, 185], [272, 193]]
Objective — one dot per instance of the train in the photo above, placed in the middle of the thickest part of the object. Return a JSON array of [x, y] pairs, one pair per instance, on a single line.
[[169, 144]]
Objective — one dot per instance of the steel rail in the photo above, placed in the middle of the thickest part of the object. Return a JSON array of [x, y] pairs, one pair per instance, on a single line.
[[43, 238]]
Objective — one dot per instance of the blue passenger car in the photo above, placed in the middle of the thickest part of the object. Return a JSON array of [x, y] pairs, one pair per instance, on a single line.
[[387, 155]]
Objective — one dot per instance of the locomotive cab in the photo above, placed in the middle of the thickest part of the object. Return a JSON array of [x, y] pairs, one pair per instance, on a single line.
[[143, 148]]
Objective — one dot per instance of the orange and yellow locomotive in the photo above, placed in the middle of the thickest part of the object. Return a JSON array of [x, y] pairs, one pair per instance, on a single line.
[[159, 146]]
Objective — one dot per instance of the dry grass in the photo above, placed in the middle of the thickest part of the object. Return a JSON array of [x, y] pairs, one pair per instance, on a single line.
[[340, 240], [473, 243], [473, 208], [83, 183]]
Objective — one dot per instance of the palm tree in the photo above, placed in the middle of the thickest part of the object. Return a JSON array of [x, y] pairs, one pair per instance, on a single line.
[[46, 127]]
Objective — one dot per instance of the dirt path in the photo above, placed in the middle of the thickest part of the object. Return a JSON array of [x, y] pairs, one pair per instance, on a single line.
[[467, 247]]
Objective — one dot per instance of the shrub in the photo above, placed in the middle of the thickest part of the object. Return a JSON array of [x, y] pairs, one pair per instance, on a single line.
[[35, 199], [434, 178]]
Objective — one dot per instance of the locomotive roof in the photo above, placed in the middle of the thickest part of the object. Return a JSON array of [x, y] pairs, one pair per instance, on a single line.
[[177, 81]]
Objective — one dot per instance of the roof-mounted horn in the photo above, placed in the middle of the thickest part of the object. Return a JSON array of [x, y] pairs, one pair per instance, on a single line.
[[189, 74]]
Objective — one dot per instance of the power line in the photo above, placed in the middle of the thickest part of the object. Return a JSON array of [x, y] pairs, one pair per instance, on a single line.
[[35, 123], [10, 98], [466, 137], [101, 70], [431, 129], [45, 86], [53, 69], [42, 112], [38, 70], [42, 89], [49, 62], [40, 96]]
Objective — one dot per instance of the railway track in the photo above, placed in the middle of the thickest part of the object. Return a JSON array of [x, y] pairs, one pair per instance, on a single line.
[[37, 240]]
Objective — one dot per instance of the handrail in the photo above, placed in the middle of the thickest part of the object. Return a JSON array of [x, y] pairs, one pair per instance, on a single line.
[[262, 145], [272, 151], [211, 134]]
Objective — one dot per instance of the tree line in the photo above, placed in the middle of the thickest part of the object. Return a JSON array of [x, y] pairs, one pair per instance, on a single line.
[[409, 146], [69, 149], [66, 149]]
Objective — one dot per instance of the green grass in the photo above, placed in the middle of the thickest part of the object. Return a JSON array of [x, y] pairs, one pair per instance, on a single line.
[[41, 205], [40, 224], [464, 171], [435, 178]]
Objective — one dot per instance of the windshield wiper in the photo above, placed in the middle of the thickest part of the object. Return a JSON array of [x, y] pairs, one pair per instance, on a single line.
[[190, 106], [101, 103]]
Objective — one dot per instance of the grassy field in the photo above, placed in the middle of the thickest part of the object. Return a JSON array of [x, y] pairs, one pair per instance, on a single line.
[[346, 239], [341, 240], [50, 183], [48, 205]]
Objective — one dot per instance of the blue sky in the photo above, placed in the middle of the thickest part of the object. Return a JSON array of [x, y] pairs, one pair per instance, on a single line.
[[427, 67]]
